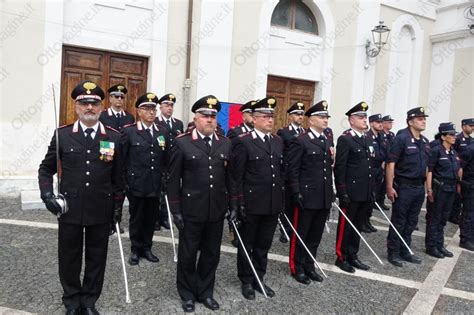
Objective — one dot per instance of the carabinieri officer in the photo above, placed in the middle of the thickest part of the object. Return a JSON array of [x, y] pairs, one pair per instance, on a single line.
[[257, 193], [309, 170], [198, 196], [91, 182], [354, 186], [145, 150]]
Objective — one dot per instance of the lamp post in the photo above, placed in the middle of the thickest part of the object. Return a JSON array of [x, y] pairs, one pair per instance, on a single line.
[[380, 36]]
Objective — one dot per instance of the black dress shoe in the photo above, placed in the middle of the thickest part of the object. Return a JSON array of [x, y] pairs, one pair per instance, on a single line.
[[395, 260], [412, 259], [90, 311], [433, 251], [188, 306], [235, 242], [314, 276], [268, 290], [371, 227], [445, 252], [148, 255], [247, 291], [210, 303], [344, 266], [73, 311], [358, 264], [283, 238], [157, 226], [467, 245], [121, 230], [302, 278], [365, 229], [165, 224], [134, 259]]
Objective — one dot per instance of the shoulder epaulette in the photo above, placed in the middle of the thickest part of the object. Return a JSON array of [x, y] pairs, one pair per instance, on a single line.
[[183, 134], [110, 128], [129, 125], [63, 126]]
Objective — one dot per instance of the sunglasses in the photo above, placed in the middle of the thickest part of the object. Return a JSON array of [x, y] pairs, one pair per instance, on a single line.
[[118, 96]]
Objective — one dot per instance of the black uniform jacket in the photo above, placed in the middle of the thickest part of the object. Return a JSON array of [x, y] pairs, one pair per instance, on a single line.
[[108, 118], [310, 170], [177, 127], [198, 181], [257, 174], [237, 131], [145, 159], [352, 168], [90, 184]]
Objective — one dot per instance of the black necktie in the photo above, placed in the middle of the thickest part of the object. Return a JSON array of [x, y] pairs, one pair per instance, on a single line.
[[148, 131], [89, 132], [267, 142], [207, 140], [119, 116], [168, 122]]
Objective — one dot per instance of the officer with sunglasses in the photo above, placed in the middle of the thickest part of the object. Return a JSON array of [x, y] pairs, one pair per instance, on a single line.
[[116, 116]]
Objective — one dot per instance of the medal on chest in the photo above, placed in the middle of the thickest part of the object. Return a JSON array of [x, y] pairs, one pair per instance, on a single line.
[[106, 151], [161, 142]]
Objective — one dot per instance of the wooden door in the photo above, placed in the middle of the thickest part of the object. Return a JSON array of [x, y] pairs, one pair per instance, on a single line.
[[288, 91], [105, 69]]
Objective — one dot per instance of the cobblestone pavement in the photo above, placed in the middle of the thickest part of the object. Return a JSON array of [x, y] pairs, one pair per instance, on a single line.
[[29, 281]]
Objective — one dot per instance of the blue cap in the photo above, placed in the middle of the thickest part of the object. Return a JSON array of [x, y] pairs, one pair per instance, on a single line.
[[375, 117], [467, 121], [447, 128]]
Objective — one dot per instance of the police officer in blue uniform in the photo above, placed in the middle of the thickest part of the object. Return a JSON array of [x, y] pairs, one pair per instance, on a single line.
[[247, 121], [467, 188], [463, 139], [257, 195], [309, 172], [387, 123], [145, 150], [198, 195], [91, 182], [354, 184], [405, 177], [377, 164], [115, 116], [441, 182], [288, 133]]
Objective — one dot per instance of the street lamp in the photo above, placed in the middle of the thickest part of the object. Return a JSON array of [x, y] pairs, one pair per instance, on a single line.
[[380, 36]]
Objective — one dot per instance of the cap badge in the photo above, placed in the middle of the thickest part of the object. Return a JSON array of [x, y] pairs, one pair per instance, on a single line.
[[150, 96], [89, 86]]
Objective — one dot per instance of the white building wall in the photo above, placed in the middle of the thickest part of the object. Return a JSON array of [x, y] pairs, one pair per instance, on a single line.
[[215, 47]]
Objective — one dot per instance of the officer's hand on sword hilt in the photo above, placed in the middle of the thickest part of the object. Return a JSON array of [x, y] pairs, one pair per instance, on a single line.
[[51, 203], [234, 217]]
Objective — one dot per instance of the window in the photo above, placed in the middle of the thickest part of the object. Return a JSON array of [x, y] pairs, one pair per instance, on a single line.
[[295, 15]]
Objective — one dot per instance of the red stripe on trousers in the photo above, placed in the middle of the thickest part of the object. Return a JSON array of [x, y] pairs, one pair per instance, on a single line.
[[340, 234], [293, 243]]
